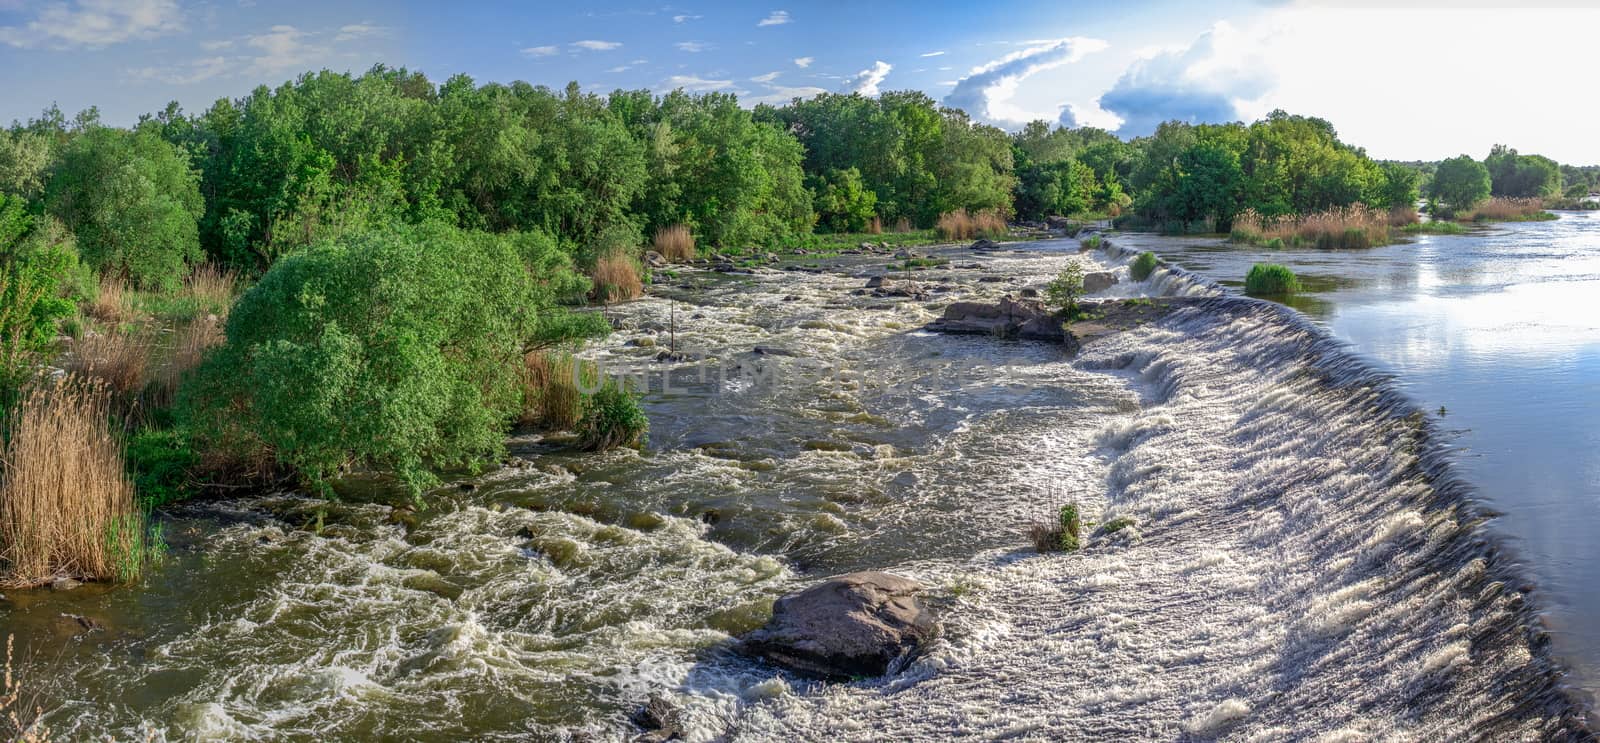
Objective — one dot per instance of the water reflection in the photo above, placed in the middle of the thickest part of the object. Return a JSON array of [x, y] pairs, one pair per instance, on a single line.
[[1500, 329]]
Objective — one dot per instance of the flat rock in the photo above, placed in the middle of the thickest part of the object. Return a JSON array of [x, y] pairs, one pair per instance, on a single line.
[[1008, 318], [851, 626]]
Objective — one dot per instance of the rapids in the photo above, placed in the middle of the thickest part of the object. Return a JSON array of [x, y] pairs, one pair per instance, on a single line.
[[1303, 562]]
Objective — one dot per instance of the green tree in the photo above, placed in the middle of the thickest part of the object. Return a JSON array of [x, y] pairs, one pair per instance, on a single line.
[[1460, 183], [1522, 176], [38, 266], [132, 201], [395, 350], [844, 204], [1398, 187]]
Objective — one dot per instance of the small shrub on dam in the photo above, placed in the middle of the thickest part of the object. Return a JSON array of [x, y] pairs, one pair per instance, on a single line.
[[1143, 266], [1063, 292], [1061, 536], [1093, 243], [1270, 280]]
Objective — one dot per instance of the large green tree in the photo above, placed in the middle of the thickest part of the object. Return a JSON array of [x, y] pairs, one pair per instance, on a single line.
[[1522, 176], [132, 201], [1459, 184]]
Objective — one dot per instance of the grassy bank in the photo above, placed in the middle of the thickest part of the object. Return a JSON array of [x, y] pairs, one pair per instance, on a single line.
[[1351, 227]]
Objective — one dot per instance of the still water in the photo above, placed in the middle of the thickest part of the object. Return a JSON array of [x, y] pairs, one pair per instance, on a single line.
[[1497, 332]]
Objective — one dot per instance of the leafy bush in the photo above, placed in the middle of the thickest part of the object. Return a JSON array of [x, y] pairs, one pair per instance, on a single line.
[[1143, 266], [1270, 280], [396, 350], [161, 465], [612, 418], [37, 271], [1063, 292]]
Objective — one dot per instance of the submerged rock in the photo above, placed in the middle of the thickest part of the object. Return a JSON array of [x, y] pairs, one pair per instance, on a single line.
[[660, 719], [64, 584], [1098, 281], [1008, 318], [851, 626]]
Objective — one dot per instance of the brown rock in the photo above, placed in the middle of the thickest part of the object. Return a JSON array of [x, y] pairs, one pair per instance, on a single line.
[[851, 626]]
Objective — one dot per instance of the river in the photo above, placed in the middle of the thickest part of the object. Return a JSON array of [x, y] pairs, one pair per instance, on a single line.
[[1304, 562]]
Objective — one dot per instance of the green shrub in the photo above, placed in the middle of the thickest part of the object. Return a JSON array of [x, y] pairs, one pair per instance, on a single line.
[[1270, 280], [1061, 536], [612, 418], [1093, 243], [396, 350], [162, 466], [38, 271], [1143, 266], [1063, 292]]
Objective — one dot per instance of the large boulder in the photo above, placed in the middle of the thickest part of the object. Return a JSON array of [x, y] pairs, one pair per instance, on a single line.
[[852, 626], [1008, 318], [1098, 281]]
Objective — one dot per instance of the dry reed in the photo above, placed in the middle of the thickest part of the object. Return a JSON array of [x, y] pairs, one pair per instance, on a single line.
[[616, 279], [551, 398], [119, 359], [111, 303], [875, 226], [1504, 209], [961, 225], [675, 243], [212, 288], [66, 504], [902, 226], [188, 350], [1355, 226], [20, 712]]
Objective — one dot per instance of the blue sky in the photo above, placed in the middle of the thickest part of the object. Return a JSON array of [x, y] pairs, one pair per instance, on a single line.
[[1416, 83]]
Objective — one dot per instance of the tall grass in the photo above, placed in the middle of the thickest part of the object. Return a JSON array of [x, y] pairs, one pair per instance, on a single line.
[[902, 226], [1504, 209], [675, 243], [875, 226], [66, 504], [189, 348], [552, 397], [119, 359], [616, 278], [961, 225], [112, 303], [1355, 226], [212, 288]]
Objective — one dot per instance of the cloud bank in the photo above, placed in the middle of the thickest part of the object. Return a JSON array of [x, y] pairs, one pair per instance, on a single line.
[[1206, 82], [986, 92]]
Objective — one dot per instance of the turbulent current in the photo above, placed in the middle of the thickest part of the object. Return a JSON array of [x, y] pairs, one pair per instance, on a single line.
[[1302, 564]]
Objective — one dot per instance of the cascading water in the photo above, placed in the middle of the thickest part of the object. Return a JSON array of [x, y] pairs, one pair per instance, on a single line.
[[1300, 563]]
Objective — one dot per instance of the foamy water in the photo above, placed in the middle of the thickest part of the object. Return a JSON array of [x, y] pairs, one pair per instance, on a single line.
[[1300, 565]]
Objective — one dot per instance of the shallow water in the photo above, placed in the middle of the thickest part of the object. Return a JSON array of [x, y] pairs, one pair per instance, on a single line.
[[1292, 551], [1497, 333]]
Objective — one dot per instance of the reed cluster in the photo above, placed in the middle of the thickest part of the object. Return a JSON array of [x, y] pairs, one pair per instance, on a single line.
[[675, 243], [1355, 226], [67, 506], [963, 225], [616, 278]]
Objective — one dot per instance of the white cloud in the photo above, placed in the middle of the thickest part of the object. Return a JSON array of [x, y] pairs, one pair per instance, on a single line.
[[803, 62], [685, 18], [1206, 81], [283, 48], [781, 94], [775, 18], [986, 92], [361, 30], [939, 53], [596, 46], [185, 74], [693, 46], [217, 45], [696, 84], [95, 23], [541, 51], [866, 82], [767, 78]]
